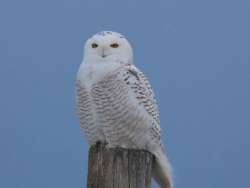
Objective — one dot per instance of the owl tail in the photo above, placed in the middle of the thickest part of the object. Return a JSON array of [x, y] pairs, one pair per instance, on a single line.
[[162, 170]]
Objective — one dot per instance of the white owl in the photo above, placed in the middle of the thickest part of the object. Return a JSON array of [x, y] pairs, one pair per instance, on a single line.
[[116, 104]]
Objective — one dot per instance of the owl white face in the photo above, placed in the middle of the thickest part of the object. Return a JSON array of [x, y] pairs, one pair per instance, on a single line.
[[107, 46]]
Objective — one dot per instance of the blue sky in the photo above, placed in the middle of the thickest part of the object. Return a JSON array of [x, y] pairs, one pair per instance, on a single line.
[[195, 53]]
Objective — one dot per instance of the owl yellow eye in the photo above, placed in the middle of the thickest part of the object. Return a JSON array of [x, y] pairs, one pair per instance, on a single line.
[[94, 45], [114, 45]]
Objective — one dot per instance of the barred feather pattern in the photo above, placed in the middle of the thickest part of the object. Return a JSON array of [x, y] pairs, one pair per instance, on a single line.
[[88, 119], [120, 109]]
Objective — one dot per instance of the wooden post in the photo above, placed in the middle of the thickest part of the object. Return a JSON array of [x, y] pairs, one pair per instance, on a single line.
[[119, 168]]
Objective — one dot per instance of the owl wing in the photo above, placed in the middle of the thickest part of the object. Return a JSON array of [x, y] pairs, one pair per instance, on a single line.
[[139, 85]]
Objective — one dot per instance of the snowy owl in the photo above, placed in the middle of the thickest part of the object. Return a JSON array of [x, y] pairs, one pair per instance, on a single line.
[[116, 103]]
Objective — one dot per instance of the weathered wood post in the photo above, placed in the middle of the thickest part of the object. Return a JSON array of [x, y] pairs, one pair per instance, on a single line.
[[119, 168]]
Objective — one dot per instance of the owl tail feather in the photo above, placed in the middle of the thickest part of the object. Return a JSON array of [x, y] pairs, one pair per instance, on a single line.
[[162, 172]]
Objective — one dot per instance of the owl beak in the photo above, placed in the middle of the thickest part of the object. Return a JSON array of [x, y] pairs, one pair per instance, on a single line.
[[103, 53]]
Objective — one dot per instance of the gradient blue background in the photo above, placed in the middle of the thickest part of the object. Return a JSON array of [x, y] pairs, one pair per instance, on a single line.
[[196, 54]]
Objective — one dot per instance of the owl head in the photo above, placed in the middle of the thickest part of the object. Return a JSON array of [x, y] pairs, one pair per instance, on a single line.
[[108, 46]]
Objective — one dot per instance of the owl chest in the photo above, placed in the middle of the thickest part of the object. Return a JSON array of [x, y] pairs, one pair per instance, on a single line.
[[113, 100], [92, 74]]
